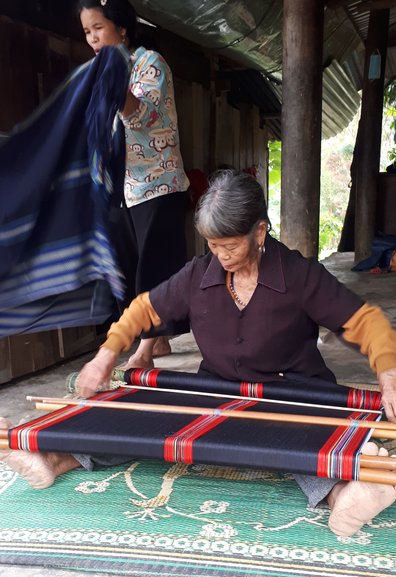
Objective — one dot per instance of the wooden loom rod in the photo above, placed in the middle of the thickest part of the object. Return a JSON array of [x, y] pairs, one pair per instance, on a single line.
[[381, 434], [374, 476], [377, 462], [49, 403]]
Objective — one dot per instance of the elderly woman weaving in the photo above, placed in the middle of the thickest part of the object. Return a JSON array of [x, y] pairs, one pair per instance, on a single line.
[[255, 309]]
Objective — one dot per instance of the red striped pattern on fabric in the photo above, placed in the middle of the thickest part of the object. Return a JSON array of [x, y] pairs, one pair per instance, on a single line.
[[338, 456], [144, 377], [255, 390], [25, 437], [179, 447], [361, 399]]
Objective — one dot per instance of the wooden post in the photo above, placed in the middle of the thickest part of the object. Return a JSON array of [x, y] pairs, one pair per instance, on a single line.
[[371, 127], [301, 123]]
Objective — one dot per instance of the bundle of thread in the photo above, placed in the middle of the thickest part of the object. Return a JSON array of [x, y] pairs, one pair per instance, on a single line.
[[116, 381]]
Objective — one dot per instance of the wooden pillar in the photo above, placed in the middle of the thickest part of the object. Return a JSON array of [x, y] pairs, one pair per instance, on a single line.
[[301, 123], [371, 127]]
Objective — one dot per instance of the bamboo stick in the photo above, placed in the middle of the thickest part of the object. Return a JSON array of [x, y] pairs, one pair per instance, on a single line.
[[3, 434], [4, 444], [386, 427], [377, 462], [381, 433], [374, 476], [49, 406]]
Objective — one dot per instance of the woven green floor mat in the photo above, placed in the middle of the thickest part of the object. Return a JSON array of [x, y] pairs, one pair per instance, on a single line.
[[152, 518]]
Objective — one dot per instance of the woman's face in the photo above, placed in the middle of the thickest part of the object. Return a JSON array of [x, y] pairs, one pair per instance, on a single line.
[[234, 252], [99, 31]]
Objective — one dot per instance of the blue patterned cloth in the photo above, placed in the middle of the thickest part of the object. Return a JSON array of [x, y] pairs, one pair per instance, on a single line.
[[382, 249], [60, 171]]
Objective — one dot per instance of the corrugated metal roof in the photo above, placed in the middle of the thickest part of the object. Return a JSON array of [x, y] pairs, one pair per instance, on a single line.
[[340, 96], [250, 33], [360, 16], [252, 86], [353, 63]]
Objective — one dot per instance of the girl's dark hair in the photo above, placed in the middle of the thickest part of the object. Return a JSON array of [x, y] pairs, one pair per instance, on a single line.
[[121, 12]]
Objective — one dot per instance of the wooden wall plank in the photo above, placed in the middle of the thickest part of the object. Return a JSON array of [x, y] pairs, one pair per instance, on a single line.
[[5, 364], [23, 77], [33, 352], [236, 138], [198, 128], [7, 113]]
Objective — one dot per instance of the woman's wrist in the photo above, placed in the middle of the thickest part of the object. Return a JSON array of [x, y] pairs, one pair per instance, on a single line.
[[105, 357]]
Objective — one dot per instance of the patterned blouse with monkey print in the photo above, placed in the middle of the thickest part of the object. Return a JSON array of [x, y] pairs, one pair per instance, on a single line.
[[154, 165]]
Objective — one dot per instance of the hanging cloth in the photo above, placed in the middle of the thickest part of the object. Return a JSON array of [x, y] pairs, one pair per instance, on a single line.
[[60, 171]]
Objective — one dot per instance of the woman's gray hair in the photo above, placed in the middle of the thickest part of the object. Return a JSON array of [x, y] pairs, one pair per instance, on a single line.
[[232, 206]]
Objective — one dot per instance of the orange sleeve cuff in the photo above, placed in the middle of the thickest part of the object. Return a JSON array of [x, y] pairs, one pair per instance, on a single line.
[[139, 316], [371, 330]]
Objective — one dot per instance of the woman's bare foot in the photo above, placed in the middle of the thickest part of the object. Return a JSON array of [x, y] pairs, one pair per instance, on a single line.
[[136, 361], [38, 469], [161, 347], [142, 358], [355, 503], [146, 351], [5, 424]]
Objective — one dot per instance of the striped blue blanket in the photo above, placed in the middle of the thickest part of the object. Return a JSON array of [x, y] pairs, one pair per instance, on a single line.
[[60, 171]]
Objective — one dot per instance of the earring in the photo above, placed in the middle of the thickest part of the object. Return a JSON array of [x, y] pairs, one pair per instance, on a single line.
[[261, 248], [103, 2]]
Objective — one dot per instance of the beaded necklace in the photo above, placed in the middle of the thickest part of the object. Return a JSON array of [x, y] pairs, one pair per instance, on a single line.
[[234, 293]]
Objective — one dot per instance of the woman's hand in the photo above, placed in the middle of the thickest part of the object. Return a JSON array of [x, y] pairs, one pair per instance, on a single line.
[[387, 382], [95, 375]]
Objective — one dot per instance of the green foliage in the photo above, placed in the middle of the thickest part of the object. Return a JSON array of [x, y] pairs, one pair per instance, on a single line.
[[274, 184], [275, 161], [392, 154], [337, 154], [390, 97], [390, 111], [329, 234], [347, 150]]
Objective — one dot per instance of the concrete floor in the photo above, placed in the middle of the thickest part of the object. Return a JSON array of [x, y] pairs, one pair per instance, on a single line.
[[348, 365]]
